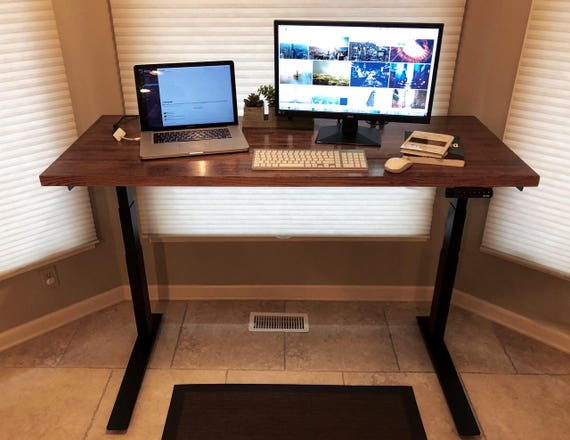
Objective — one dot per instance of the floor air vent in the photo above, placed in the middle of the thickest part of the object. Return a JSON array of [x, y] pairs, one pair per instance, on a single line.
[[278, 322]]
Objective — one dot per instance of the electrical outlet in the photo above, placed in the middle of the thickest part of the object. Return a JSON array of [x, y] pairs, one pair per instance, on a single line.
[[49, 277]]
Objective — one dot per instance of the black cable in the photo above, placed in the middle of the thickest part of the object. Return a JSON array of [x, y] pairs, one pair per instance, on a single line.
[[118, 123]]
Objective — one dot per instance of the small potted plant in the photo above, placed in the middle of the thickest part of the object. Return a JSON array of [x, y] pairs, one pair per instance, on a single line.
[[253, 100], [253, 110]]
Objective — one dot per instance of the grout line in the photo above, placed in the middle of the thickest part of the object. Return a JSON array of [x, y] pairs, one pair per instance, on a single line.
[[508, 355], [483, 373], [75, 331], [391, 339], [179, 333], [92, 421], [64, 367]]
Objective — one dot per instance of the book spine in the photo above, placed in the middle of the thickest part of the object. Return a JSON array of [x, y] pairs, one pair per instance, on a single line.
[[435, 161]]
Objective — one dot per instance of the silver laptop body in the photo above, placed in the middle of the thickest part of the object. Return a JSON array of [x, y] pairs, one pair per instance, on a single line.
[[188, 109]]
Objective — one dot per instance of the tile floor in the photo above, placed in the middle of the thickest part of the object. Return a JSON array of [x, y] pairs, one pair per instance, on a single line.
[[62, 385]]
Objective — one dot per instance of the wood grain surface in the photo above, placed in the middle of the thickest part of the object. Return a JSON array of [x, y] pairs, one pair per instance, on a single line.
[[96, 159]]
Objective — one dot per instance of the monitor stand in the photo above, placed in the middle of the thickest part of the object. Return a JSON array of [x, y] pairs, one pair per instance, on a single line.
[[348, 132]]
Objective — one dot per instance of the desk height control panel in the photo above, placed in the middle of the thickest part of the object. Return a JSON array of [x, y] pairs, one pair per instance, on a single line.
[[469, 192]]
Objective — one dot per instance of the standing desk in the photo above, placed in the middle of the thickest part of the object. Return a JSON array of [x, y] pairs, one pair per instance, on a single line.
[[96, 159]]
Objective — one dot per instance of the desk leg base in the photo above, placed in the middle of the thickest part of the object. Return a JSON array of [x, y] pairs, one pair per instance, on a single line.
[[132, 379], [450, 383]]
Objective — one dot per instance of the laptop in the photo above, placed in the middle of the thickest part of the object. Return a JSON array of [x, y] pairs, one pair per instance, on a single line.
[[188, 109]]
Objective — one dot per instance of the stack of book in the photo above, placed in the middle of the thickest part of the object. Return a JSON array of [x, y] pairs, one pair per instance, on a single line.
[[432, 149]]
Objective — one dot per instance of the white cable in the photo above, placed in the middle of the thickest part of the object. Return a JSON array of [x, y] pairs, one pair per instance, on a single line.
[[119, 135]]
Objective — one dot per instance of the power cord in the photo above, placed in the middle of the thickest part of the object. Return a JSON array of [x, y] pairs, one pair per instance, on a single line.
[[119, 134]]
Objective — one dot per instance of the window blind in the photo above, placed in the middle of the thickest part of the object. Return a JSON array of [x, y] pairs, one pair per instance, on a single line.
[[533, 227], [37, 223], [175, 30], [285, 212]]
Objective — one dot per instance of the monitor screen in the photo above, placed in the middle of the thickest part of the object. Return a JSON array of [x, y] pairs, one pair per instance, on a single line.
[[186, 95], [354, 71]]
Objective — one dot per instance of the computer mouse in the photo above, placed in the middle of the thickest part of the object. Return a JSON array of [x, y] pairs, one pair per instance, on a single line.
[[397, 164]]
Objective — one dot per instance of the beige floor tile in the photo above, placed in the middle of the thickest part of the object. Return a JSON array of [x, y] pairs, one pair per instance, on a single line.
[[215, 335], [405, 313], [228, 312], [285, 377], [408, 342], [49, 403], [168, 332], [340, 313], [43, 351], [434, 412], [514, 407], [474, 345], [104, 339], [152, 404], [531, 356], [342, 336], [341, 348], [410, 349], [349, 342]]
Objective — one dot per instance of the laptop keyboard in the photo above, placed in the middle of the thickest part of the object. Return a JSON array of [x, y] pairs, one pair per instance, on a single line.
[[191, 135]]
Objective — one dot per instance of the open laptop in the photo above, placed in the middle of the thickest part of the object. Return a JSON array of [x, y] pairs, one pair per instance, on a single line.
[[188, 109]]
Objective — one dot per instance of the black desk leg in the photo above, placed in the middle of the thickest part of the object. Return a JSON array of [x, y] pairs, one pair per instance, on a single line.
[[433, 326], [147, 322]]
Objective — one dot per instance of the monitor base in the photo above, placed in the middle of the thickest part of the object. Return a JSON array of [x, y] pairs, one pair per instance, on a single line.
[[352, 135]]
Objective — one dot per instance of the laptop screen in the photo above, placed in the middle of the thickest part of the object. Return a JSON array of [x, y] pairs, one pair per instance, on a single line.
[[186, 95]]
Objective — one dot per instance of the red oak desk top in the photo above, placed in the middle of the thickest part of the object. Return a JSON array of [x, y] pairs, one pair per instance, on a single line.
[[96, 159]]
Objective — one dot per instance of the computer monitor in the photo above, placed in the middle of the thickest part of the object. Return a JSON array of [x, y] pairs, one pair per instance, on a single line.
[[351, 71]]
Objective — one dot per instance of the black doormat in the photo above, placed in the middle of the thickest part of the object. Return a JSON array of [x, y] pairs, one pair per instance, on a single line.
[[299, 412]]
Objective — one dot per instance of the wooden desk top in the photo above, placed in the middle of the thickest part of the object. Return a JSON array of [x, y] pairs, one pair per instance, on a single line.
[[96, 159]]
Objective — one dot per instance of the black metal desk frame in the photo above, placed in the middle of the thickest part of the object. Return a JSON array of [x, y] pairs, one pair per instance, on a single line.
[[146, 321], [432, 327]]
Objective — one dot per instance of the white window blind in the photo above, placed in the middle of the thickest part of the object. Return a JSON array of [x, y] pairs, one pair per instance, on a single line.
[[300, 212], [534, 226], [37, 223], [174, 30]]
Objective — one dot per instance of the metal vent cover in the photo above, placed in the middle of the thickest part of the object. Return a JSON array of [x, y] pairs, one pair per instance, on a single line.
[[278, 322]]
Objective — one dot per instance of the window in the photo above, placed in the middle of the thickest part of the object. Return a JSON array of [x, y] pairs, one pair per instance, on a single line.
[[534, 227], [37, 224], [174, 31]]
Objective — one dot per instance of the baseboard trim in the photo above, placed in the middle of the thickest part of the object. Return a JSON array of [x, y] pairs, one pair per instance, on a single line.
[[543, 332], [291, 292], [51, 321]]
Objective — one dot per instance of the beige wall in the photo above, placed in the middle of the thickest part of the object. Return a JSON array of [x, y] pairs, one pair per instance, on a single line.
[[490, 48], [487, 63], [88, 47], [88, 50]]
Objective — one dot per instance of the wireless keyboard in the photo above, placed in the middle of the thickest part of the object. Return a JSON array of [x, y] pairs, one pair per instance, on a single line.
[[298, 159]]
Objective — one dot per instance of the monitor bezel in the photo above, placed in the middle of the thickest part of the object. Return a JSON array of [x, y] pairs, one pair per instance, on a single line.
[[372, 117]]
